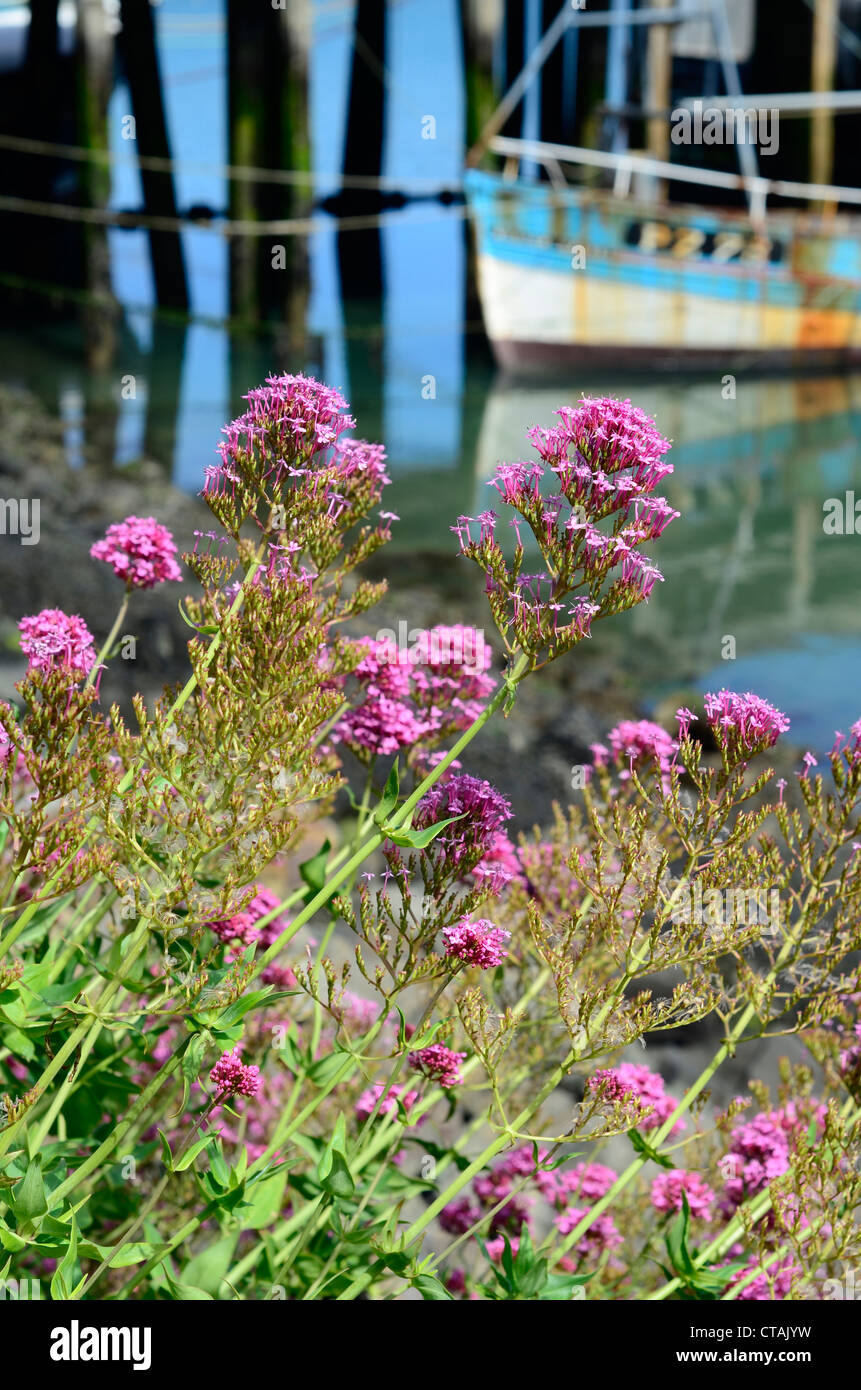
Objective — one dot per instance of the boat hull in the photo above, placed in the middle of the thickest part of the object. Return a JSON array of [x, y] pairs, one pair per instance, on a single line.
[[576, 278]]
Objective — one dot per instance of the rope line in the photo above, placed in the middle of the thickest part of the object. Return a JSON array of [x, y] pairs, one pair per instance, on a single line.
[[241, 173], [291, 226]]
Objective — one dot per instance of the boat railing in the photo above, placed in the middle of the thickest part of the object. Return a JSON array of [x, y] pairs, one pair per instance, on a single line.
[[626, 164]]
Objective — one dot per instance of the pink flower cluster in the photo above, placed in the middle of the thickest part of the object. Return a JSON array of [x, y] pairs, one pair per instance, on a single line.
[[382, 726], [231, 1077], [426, 692], [744, 724], [54, 640], [292, 417], [288, 445], [242, 930], [559, 1187], [638, 742], [389, 1105], [243, 926], [767, 1287], [439, 1062], [609, 435], [140, 551], [668, 1189], [478, 943], [474, 839], [760, 1150], [631, 1082], [496, 1186], [602, 1235], [500, 864], [607, 457]]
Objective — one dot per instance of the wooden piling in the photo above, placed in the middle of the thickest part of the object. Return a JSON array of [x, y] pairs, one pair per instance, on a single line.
[[480, 21], [287, 298], [38, 242], [140, 58], [249, 32], [359, 251], [268, 129], [94, 80]]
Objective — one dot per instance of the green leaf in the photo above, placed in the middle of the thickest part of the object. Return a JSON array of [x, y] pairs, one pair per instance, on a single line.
[[562, 1288], [28, 1198], [677, 1242], [240, 1167], [339, 1182], [191, 1154], [426, 1038], [68, 1270], [134, 1252], [337, 1144], [184, 1293], [218, 1168], [236, 1011], [206, 1270], [327, 1068], [530, 1272], [10, 1240], [333, 1171], [193, 1055], [264, 1202], [207, 629], [192, 1058], [166, 1153], [389, 799], [644, 1147], [420, 839], [398, 1261], [313, 870], [289, 1051]]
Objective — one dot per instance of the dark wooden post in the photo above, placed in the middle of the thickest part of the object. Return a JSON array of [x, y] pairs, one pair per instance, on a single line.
[[41, 64], [249, 32], [36, 242], [94, 79], [479, 24], [287, 296], [359, 252], [140, 57]]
